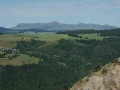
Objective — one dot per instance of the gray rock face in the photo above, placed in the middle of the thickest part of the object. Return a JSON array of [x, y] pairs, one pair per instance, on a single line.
[[94, 83], [56, 26], [109, 81]]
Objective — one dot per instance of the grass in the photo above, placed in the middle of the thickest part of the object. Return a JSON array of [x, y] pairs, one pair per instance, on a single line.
[[55, 37], [1, 52], [91, 36], [20, 60], [7, 44], [9, 40]]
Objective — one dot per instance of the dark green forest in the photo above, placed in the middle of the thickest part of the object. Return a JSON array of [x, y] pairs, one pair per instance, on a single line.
[[113, 32], [61, 64]]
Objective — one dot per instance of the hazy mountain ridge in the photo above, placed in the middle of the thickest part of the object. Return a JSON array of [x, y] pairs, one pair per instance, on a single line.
[[3, 30], [56, 26]]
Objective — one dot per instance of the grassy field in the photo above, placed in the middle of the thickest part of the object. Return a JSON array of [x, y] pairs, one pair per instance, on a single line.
[[20, 60], [91, 36], [1, 52], [9, 41]]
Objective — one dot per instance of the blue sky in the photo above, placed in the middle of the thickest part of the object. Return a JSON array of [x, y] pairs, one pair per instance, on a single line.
[[102, 12]]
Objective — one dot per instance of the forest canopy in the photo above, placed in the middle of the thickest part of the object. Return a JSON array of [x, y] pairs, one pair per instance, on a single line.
[[61, 64]]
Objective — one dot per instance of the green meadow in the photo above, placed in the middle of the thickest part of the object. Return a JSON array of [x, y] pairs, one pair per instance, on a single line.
[[10, 40], [91, 36], [19, 60]]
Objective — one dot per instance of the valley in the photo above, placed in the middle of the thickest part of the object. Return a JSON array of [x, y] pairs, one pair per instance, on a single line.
[[54, 61], [59, 44]]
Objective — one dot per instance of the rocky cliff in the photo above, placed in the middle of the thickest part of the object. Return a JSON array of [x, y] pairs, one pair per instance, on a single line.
[[108, 78]]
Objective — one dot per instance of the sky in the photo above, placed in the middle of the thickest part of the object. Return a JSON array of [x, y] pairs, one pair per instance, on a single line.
[[101, 12]]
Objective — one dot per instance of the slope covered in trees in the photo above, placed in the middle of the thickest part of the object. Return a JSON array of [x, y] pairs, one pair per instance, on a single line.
[[113, 32], [60, 65]]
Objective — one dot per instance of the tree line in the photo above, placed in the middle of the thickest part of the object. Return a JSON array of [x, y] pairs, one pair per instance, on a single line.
[[113, 32]]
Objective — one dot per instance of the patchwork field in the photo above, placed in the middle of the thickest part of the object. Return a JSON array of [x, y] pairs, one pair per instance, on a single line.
[[9, 41]]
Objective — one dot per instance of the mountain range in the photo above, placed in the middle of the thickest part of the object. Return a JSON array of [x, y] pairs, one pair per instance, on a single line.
[[56, 26]]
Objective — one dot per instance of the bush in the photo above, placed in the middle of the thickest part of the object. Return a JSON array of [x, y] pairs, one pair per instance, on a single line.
[[104, 71], [97, 68], [87, 79], [11, 57], [64, 88], [114, 61], [86, 38], [80, 36]]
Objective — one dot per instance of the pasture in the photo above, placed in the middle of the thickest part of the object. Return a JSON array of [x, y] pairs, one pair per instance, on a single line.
[[91, 36], [18, 61], [10, 41]]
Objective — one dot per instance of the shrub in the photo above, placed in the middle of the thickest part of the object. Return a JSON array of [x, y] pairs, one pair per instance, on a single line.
[[86, 38], [114, 61], [80, 36], [97, 68], [104, 71], [87, 79]]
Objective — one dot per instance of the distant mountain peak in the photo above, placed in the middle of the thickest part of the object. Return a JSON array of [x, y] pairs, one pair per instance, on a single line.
[[55, 22]]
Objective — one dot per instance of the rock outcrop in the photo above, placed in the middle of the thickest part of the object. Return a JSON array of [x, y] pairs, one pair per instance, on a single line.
[[108, 78]]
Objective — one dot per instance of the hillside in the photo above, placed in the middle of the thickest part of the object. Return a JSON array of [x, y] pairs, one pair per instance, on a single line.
[[3, 30], [56, 26], [54, 61], [107, 78]]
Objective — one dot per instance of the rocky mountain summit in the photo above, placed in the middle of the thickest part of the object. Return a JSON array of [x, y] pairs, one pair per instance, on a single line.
[[108, 78]]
